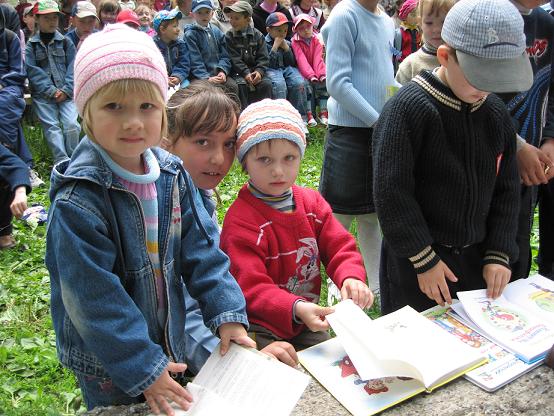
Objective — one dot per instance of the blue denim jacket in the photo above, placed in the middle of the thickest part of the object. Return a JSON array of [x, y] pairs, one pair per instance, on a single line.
[[279, 59], [107, 327], [12, 72], [176, 56], [208, 54], [50, 67]]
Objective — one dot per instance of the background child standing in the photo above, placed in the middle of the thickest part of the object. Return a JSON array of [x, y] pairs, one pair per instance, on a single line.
[[117, 304], [308, 51], [432, 14], [49, 64], [276, 234]]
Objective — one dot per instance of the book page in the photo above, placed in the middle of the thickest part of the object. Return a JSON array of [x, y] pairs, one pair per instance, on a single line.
[[503, 366], [535, 294], [509, 325], [406, 339], [252, 382], [329, 363]]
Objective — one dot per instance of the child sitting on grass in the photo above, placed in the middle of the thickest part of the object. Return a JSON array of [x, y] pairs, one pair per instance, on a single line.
[[276, 234]]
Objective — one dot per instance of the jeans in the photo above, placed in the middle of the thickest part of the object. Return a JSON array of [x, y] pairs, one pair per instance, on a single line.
[[317, 95], [60, 126], [200, 342], [287, 83], [101, 391]]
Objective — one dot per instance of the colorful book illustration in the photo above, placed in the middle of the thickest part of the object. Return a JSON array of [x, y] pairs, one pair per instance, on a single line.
[[521, 320], [503, 366]]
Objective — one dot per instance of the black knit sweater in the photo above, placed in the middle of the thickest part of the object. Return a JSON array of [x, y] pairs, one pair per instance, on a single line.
[[445, 172]]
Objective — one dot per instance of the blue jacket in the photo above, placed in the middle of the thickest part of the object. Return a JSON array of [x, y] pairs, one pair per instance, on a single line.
[[13, 171], [107, 326], [12, 72], [176, 56], [279, 59], [208, 54], [50, 67]]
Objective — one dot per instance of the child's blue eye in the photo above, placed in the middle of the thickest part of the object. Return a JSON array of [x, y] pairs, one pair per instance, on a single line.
[[264, 159], [290, 158], [146, 106]]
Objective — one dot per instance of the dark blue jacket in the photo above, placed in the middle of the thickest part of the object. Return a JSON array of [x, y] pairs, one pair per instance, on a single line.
[[13, 170], [12, 72], [279, 59], [176, 56], [208, 54]]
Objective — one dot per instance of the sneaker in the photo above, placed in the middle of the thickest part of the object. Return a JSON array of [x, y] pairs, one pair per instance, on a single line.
[[311, 120], [323, 118], [35, 180]]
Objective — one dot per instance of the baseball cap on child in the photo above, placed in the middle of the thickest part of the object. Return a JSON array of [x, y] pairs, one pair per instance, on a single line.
[[115, 53], [302, 17], [490, 44], [45, 7], [239, 7], [165, 15], [277, 19], [201, 4], [83, 9], [128, 16], [269, 119]]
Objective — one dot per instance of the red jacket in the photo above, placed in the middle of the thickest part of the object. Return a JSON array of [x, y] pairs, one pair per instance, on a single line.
[[275, 256], [309, 58]]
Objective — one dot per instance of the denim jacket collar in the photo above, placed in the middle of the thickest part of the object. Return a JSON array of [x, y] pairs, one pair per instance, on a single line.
[[36, 37]]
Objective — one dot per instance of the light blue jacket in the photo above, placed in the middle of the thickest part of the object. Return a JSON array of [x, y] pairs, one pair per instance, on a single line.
[[107, 326], [50, 67]]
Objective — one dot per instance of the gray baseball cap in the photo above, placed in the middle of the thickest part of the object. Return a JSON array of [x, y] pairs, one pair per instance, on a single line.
[[490, 44], [239, 7]]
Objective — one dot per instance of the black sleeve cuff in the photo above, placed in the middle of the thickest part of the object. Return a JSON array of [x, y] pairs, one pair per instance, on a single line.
[[496, 257], [425, 260]]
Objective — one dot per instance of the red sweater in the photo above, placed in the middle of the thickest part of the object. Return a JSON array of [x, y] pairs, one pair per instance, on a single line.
[[275, 256]]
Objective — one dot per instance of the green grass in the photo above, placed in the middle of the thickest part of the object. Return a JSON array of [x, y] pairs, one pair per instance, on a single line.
[[32, 382]]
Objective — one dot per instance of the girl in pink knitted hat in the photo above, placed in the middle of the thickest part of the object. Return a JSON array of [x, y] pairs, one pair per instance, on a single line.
[[127, 231], [408, 38]]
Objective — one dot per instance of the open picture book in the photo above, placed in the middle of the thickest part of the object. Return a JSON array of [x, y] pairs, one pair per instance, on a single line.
[[374, 364], [521, 320], [503, 366], [244, 382]]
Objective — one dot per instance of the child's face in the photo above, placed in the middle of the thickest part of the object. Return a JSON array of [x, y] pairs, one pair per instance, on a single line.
[[305, 30], [278, 31], [84, 26], [431, 25], [107, 17], [170, 32], [238, 20], [456, 79], [29, 20], [203, 16], [125, 127], [47, 23], [411, 19], [207, 156], [273, 169], [144, 16]]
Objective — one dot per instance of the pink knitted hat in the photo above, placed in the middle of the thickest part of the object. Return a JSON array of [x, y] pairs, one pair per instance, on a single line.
[[117, 52], [406, 9]]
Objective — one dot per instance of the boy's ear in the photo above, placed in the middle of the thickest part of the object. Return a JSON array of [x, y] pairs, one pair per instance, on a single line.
[[443, 55]]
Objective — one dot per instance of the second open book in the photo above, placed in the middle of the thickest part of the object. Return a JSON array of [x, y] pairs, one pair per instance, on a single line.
[[402, 344]]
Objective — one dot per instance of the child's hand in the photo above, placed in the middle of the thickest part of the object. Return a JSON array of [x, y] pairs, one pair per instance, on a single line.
[[433, 283], [165, 389], [248, 78], [531, 164], [233, 331], [497, 277], [322, 78], [60, 96], [314, 79], [282, 351], [173, 81], [357, 291], [256, 77], [313, 315], [19, 203]]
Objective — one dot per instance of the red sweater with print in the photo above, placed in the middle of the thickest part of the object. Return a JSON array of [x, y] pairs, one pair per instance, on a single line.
[[275, 256]]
